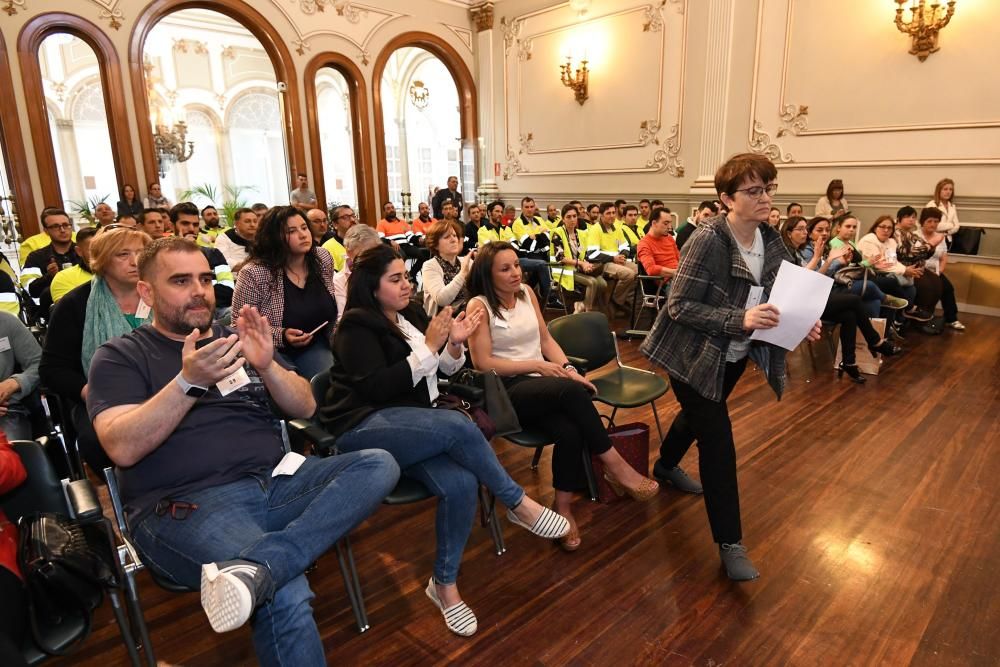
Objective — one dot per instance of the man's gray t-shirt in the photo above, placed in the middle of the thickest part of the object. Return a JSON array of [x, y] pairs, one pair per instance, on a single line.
[[299, 197], [219, 440]]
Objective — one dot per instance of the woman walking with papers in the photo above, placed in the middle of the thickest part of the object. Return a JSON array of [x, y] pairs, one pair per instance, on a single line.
[[702, 338]]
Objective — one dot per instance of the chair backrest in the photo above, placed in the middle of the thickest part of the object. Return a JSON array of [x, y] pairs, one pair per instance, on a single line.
[[320, 384], [42, 490], [585, 335]]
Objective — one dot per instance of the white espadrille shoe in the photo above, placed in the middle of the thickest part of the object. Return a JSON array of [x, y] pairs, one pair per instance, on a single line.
[[549, 525], [458, 617]]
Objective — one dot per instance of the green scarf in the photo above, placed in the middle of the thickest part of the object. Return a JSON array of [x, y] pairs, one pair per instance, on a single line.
[[104, 321]]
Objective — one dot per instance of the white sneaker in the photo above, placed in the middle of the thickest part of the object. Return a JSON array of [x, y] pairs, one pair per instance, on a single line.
[[956, 325], [230, 591]]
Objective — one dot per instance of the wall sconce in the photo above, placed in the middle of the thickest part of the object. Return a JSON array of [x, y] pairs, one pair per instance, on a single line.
[[171, 145], [924, 24], [419, 95], [575, 79]]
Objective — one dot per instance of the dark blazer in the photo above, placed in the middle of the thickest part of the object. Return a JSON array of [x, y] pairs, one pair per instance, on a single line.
[[61, 369], [706, 306], [370, 371]]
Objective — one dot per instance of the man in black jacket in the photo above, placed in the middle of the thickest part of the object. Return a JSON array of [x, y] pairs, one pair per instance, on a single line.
[[452, 193], [43, 264]]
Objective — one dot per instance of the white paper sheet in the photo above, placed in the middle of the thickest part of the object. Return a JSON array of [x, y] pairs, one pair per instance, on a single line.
[[800, 296]]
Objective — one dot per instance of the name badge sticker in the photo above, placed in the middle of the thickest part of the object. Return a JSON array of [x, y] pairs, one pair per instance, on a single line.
[[753, 299], [142, 311], [228, 385]]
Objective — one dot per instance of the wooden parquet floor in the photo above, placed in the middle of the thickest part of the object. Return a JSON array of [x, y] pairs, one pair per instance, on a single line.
[[872, 512]]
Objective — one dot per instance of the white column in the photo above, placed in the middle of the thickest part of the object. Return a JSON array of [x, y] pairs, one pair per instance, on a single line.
[[718, 62], [482, 18]]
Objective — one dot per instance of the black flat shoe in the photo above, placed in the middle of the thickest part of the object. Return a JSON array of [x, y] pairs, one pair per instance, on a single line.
[[852, 372], [885, 348]]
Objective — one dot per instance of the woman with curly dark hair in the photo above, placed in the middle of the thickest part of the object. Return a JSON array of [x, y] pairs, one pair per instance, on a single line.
[[290, 281]]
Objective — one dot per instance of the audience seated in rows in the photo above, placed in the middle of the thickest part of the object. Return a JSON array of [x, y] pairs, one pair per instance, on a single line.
[[842, 307], [129, 204], [383, 390], [289, 280], [195, 458], [937, 263], [357, 239], [234, 244], [608, 247], [571, 252], [76, 275], [547, 392], [657, 252]]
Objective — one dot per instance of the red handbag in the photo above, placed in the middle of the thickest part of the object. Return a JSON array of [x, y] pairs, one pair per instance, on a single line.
[[632, 442]]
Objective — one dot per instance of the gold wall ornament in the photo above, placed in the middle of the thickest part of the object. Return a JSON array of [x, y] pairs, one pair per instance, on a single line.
[[648, 131], [482, 16], [577, 79], [11, 6], [794, 119], [761, 144], [926, 20], [419, 95], [667, 158]]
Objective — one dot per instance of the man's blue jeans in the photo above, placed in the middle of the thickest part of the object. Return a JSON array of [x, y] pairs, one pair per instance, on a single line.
[[444, 450], [285, 523], [539, 270]]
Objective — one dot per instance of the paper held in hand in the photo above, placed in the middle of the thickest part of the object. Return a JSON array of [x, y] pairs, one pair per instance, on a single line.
[[800, 296]]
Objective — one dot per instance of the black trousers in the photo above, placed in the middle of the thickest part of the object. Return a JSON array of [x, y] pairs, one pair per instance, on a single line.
[[708, 422], [848, 310], [561, 409], [948, 302], [13, 618]]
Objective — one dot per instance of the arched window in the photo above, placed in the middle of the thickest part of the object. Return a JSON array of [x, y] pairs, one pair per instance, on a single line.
[[423, 126], [336, 136], [199, 62], [81, 139]]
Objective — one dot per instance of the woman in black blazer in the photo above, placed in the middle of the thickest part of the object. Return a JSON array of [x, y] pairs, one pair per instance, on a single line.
[[383, 390]]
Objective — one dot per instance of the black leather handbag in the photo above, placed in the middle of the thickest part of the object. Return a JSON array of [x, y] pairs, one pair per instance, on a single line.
[[495, 399], [67, 566]]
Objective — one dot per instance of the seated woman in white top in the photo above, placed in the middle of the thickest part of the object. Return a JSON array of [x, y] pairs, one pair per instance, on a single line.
[[547, 392], [445, 274], [944, 198]]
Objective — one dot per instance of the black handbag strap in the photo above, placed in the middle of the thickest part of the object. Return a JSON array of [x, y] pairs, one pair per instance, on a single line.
[[81, 607]]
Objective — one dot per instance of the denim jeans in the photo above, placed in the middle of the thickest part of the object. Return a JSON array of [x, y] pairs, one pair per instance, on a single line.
[[311, 360], [285, 523], [539, 270], [444, 450]]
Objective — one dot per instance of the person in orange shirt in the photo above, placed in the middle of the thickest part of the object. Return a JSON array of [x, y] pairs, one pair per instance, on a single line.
[[658, 252], [422, 222], [394, 230]]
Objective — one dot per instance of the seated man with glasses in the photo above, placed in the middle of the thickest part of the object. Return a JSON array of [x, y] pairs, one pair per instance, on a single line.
[[43, 264], [343, 219], [211, 496]]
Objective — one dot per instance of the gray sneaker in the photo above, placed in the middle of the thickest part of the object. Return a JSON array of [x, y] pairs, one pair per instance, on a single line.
[[737, 563], [676, 477]]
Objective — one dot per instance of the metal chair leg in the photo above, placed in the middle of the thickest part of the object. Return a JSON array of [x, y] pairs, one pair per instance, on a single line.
[[588, 471], [125, 629], [536, 458], [488, 503], [345, 557], [137, 617], [656, 416]]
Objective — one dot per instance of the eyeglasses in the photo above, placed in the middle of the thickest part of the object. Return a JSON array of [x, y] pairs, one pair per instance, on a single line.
[[757, 191], [178, 509], [884, 227], [347, 216], [63, 227]]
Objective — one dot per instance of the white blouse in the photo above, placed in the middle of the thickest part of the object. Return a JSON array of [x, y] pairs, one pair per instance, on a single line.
[[424, 363], [515, 336]]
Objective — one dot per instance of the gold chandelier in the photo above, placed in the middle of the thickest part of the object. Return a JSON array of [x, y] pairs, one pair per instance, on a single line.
[[171, 145], [925, 22]]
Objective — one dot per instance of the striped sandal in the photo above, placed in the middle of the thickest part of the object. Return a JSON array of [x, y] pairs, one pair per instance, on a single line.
[[549, 525], [458, 617]]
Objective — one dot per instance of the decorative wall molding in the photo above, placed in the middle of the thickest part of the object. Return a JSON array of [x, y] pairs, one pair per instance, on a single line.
[[464, 35], [715, 99], [110, 13], [482, 16], [793, 120], [11, 6], [760, 143], [841, 145], [365, 21], [552, 22]]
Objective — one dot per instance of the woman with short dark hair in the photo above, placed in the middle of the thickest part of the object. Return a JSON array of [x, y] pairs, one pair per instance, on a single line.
[[289, 279], [702, 339]]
